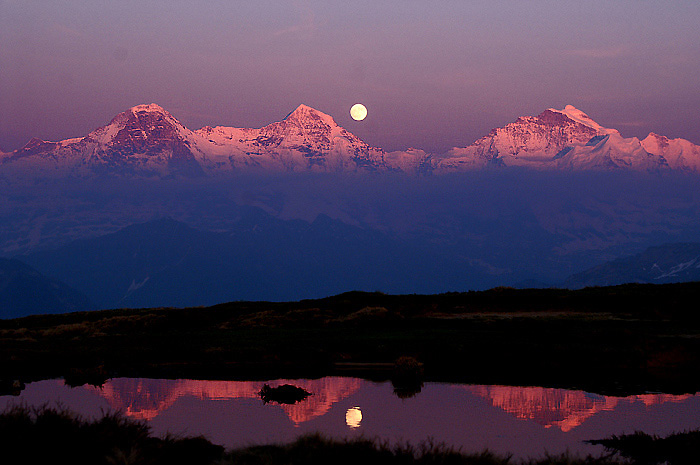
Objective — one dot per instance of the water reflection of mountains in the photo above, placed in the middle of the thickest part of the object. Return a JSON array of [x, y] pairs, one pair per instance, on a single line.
[[564, 409], [145, 399], [561, 408]]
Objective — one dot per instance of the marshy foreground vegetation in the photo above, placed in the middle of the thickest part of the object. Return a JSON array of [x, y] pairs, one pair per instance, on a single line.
[[54, 435], [614, 340], [622, 339]]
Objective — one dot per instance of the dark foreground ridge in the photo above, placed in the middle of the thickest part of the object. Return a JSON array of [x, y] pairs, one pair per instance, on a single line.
[[51, 435], [614, 340]]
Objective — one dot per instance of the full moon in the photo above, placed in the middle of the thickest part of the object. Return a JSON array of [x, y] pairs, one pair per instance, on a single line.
[[358, 112], [353, 417]]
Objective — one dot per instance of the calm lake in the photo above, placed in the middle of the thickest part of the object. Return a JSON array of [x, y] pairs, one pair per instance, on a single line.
[[523, 420]]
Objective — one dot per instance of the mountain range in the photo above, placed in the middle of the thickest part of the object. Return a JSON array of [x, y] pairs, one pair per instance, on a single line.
[[313, 235], [82, 211], [667, 263], [561, 408], [168, 263], [146, 399], [165, 263], [566, 410], [147, 141]]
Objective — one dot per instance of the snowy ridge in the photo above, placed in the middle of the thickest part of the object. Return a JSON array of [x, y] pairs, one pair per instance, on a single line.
[[611, 151], [680, 154], [147, 141], [577, 115], [533, 141], [306, 140], [569, 139]]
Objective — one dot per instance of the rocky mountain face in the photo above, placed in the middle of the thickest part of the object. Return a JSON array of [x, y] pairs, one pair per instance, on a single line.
[[306, 140], [678, 153], [558, 139], [527, 141], [147, 141]]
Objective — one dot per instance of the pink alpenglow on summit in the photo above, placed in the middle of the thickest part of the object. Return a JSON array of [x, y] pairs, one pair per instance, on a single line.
[[557, 139], [147, 141]]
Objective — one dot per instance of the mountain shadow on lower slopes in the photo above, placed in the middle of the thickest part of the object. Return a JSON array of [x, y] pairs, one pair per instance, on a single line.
[[168, 263], [25, 291], [668, 263]]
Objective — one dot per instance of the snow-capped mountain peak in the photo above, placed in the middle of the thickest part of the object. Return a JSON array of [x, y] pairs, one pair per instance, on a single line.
[[146, 140], [150, 121], [148, 107], [656, 142], [308, 139], [304, 111], [34, 142], [569, 139], [309, 119], [611, 151], [305, 140], [533, 141], [577, 115], [680, 154]]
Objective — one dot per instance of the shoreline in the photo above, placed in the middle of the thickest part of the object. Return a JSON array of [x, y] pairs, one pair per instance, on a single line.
[[614, 340]]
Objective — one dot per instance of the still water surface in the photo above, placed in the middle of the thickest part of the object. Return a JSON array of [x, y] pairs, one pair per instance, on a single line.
[[525, 421]]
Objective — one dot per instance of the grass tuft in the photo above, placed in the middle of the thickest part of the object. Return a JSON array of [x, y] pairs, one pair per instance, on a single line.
[[644, 449], [56, 435], [316, 449]]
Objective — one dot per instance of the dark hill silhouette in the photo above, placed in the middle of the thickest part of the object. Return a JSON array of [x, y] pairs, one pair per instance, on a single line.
[[168, 263], [25, 291], [668, 263]]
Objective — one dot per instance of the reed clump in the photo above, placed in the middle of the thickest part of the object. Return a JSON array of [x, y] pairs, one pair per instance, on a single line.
[[645, 449], [56, 435], [315, 449]]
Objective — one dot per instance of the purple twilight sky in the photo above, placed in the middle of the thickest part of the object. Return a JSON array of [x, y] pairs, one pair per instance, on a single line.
[[433, 74]]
